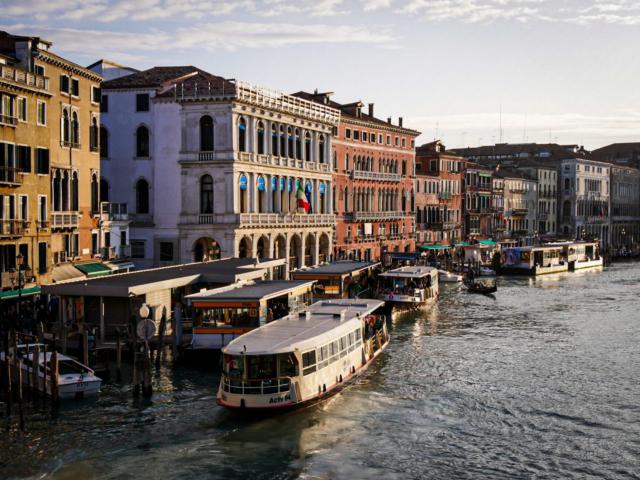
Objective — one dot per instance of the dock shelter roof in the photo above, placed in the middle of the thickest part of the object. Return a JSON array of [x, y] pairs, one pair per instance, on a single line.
[[336, 268], [140, 282], [410, 272], [258, 291], [434, 247]]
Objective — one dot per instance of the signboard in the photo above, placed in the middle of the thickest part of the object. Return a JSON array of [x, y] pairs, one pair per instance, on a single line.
[[146, 329], [243, 182], [261, 184]]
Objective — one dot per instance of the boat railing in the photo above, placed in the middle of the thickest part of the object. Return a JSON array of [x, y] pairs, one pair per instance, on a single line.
[[256, 387]]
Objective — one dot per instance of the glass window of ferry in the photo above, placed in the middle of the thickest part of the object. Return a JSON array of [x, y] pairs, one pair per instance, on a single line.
[[260, 367], [233, 365]]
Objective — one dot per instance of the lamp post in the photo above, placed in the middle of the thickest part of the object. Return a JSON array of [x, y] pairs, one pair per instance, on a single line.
[[22, 269]]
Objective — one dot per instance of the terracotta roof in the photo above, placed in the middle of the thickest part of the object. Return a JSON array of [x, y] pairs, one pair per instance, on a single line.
[[525, 150], [199, 82], [347, 108], [153, 77]]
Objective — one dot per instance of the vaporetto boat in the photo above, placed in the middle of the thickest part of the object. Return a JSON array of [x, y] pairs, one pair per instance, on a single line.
[[410, 286], [302, 358]]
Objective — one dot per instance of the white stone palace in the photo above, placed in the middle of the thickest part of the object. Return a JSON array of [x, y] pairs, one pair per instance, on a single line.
[[210, 167]]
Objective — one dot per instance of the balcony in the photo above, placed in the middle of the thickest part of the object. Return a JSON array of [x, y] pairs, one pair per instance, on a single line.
[[23, 77], [377, 176], [542, 216], [68, 144], [117, 252], [10, 176], [366, 238], [13, 228], [442, 226], [42, 224], [519, 212], [206, 156], [265, 220], [445, 196], [62, 220], [113, 212], [547, 194], [377, 216], [8, 120]]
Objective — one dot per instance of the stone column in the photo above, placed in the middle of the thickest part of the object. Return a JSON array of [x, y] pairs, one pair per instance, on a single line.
[[303, 239], [287, 245], [316, 249]]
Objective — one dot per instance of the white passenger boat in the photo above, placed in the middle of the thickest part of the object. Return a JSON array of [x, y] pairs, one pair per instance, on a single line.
[[303, 357], [409, 286], [445, 276], [74, 379]]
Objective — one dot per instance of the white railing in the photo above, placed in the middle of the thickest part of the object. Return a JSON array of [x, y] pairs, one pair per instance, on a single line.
[[358, 216], [64, 220], [281, 219], [380, 176], [26, 78]]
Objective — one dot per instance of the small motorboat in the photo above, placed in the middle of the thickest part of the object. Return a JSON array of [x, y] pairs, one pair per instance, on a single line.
[[482, 285], [487, 272], [445, 276]]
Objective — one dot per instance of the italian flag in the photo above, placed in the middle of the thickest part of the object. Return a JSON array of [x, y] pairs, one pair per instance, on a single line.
[[302, 199]]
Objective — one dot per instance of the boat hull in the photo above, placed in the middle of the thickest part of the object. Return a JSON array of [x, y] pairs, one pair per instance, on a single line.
[[587, 264]]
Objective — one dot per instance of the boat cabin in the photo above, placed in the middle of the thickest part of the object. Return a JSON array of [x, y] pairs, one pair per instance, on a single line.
[[222, 314], [342, 279], [581, 255], [412, 285], [538, 260]]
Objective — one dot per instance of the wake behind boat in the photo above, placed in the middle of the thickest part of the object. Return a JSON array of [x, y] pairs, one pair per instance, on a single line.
[[303, 357]]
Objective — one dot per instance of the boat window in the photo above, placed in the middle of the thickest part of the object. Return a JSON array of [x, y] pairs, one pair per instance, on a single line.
[[261, 366], [343, 343], [323, 353], [288, 365], [351, 336], [358, 334], [308, 358], [68, 367], [234, 365]]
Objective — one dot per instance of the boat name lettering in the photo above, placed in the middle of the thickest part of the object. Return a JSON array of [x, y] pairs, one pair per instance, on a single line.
[[286, 398]]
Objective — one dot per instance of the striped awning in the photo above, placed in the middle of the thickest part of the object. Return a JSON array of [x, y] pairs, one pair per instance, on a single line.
[[64, 273]]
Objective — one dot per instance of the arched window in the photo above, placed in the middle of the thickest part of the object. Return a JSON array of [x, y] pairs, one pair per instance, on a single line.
[[93, 135], [566, 184], [56, 192], [274, 140], [75, 129], [74, 192], [104, 142], [142, 196], [104, 190], [261, 147], [321, 149], [307, 146], [206, 194], [95, 195], [298, 144], [142, 142], [566, 209], [65, 191], [290, 142], [206, 134], [65, 126], [283, 141], [242, 135]]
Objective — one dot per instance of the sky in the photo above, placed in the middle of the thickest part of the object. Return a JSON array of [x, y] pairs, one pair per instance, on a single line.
[[565, 71]]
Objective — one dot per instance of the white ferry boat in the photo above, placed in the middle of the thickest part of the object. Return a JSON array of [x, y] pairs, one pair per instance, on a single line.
[[303, 357], [409, 286]]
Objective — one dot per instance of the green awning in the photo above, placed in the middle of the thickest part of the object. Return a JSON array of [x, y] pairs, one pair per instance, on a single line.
[[93, 269], [434, 247], [487, 242], [462, 244], [25, 292]]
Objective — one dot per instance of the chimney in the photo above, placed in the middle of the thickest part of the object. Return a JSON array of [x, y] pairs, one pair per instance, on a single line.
[[389, 120], [399, 121], [315, 92], [371, 109]]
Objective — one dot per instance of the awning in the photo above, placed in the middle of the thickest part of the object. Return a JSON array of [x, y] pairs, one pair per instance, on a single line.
[[120, 266], [13, 294], [404, 255], [64, 273], [94, 269], [434, 247], [462, 244], [487, 242]]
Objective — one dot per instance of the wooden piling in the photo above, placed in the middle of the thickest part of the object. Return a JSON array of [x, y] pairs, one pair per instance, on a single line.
[[135, 381], [7, 386], [174, 343], [163, 328], [19, 386], [85, 346], [35, 369], [147, 389], [54, 378], [118, 356], [44, 372]]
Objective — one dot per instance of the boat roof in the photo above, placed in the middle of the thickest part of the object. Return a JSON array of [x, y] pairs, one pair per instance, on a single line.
[[250, 292], [336, 268], [318, 324], [410, 272]]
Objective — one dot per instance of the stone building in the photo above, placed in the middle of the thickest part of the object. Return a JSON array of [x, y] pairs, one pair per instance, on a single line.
[[217, 167], [373, 168], [439, 219], [478, 216], [546, 177], [520, 205], [625, 207]]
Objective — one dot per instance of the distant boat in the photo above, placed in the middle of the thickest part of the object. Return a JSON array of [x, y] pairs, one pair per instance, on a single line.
[[484, 285], [445, 276], [408, 287]]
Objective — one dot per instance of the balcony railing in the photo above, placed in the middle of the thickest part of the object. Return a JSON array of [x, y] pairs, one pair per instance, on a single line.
[[519, 211], [68, 144], [445, 195], [373, 216], [11, 176], [282, 219], [8, 120], [206, 156], [26, 78], [114, 212], [378, 176], [366, 238], [65, 219], [13, 227], [42, 224]]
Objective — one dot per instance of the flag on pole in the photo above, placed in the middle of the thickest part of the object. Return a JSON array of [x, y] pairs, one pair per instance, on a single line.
[[302, 199]]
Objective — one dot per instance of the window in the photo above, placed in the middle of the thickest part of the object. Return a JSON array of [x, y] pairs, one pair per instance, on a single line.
[[42, 257], [64, 83], [396, 141], [321, 149], [42, 161], [142, 102], [22, 109], [95, 94], [137, 248], [307, 146], [142, 196], [75, 87], [23, 158], [166, 251], [104, 142], [274, 140], [142, 142], [242, 135], [206, 194], [356, 134], [42, 113], [404, 142], [347, 133], [206, 134], [42, 208], [261, 139], [75, 130], [104, 103], [38, 70], [365, 136], [309, 362], [95, 196], [388, 139], [94, 139], [104, 191], [380, 139]]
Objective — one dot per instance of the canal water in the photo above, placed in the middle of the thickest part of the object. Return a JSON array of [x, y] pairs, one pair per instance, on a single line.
[[541, 381]]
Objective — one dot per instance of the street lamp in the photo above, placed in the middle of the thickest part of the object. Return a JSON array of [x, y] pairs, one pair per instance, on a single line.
[[20, 276]]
